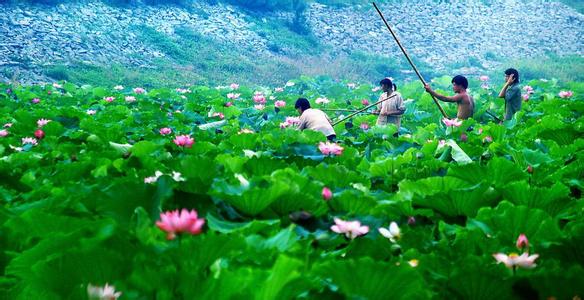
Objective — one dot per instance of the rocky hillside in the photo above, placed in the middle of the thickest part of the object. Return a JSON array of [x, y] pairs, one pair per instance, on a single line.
[[438, 34]]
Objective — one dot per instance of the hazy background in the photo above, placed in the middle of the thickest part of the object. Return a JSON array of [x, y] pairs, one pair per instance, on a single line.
[[174, 43]]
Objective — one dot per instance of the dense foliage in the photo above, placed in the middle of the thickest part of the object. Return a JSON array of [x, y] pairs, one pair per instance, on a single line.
[[87, 171]]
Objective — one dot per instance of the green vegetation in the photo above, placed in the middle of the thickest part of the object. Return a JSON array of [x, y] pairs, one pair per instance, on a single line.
[[90, 175]]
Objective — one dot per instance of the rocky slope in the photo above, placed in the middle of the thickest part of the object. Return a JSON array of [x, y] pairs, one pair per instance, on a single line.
[[437, 33]]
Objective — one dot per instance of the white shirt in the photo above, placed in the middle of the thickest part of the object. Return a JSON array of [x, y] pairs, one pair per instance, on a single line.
[[315, 119], [395, 103]]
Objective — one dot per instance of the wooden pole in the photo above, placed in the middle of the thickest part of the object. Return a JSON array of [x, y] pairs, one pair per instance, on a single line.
[[344, 110], [362, 110], [408, 58]]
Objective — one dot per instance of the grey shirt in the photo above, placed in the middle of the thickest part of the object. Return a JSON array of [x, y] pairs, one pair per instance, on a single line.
[[512, 100]]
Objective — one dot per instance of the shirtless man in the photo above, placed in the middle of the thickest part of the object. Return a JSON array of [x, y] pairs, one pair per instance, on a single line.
[[462, 98]]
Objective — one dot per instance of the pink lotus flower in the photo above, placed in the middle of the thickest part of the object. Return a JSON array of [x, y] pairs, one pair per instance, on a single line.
[[528, 89], [522, 242], [218, 114], [108, 292], [530, 169], [364, 126], [463, 137], [513, 260], [139, 90], [441, 143], [259, 106], [480, 131], [280, 103], [259, 98], [29, 140], [109, 99], [488, 139], [351, 229], [184, 141], [39, 134], [234, 86], [3, 133], [453, 122], [42, 122], [322, 100], [485, 86], [130, 99], [329, 148], [525, 97], [118, 87], [392, 233], [233, 96], [484, 78], [228, 104], [91, 112], [566, 94], [7, 125], [278, 90], [165, 131], [35, 100], [327, 194], [411, 221], [293, 120], [365, 102], [186, 222]]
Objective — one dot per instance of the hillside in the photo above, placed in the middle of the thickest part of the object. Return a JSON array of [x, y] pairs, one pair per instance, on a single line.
[[203, 41]]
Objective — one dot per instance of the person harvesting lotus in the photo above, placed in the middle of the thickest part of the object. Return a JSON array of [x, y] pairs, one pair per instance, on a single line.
[[462, 98], [391, 109], [314, 119], [511, 93]]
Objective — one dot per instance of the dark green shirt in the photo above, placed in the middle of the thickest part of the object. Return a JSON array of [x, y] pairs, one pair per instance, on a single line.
[[512, 100]]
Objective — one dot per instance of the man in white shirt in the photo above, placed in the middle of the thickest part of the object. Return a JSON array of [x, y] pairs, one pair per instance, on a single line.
[[314, 119]]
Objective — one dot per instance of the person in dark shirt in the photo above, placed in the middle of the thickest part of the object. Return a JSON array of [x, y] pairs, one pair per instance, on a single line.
[[511, 93]]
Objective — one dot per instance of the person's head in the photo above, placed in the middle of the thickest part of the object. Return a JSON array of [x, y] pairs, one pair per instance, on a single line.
[[513, 72], [301, 105], [459, 83], [387, 85]]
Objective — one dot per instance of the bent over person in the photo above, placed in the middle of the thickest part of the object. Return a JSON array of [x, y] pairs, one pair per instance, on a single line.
[[392, 107], [462, 98], [314, 119]]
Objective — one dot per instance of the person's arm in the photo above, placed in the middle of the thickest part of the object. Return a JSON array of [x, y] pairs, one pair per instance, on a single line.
[[455, 98], [506, 85], [377, 109], [303, 122], [400, 108], [384, 107], [328, 119]]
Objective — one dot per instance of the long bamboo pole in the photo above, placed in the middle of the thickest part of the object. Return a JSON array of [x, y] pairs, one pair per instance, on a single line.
[[343, 110], [362, 110], [408, 58]]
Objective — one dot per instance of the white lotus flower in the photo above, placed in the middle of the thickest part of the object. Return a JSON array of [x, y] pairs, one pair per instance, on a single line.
[[393, 233]]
